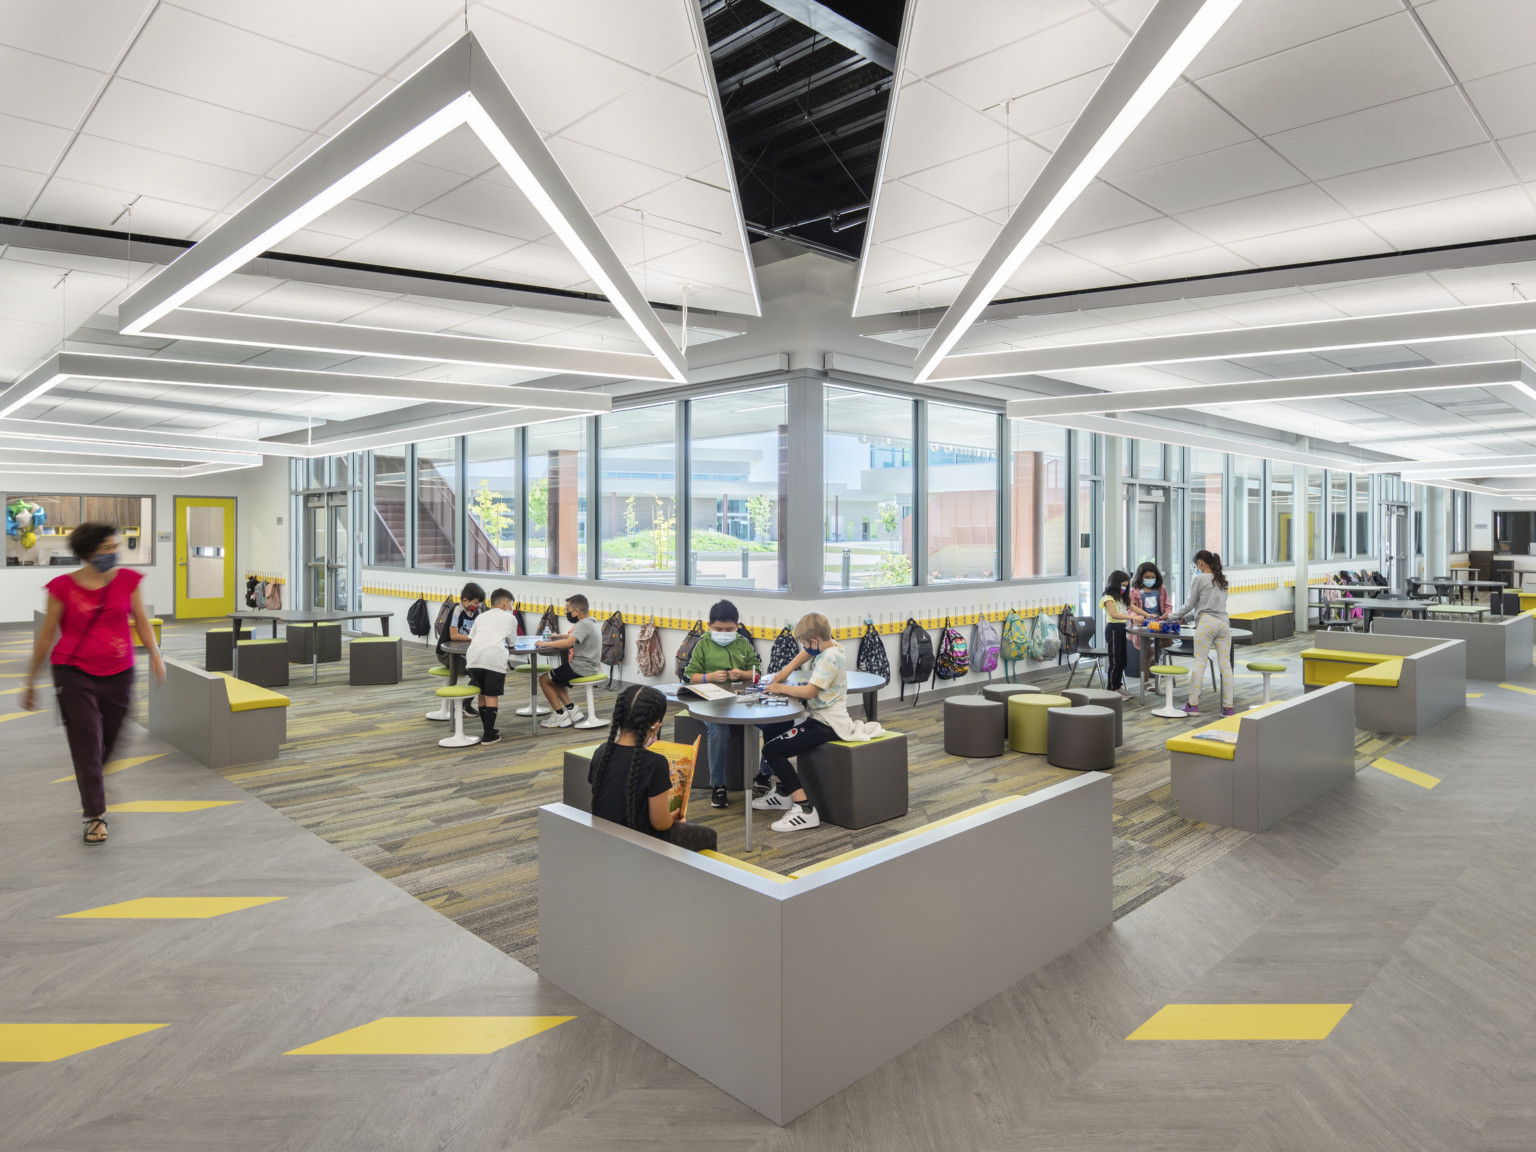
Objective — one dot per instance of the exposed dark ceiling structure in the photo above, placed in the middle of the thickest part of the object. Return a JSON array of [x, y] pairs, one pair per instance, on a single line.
[[805, 85]]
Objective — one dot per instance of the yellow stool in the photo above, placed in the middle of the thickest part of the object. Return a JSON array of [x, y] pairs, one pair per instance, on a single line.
[[154, 623], [1028, 715], [1169, 673]]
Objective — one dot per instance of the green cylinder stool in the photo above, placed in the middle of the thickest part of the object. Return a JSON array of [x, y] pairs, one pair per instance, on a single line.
[[1028, 715], [1266, 668], [1169, 673]]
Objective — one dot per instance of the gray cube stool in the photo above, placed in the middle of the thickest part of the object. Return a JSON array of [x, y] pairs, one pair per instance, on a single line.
[[1000, 692], [856, 784], [975, 726], [303, 637], [376, 660], [577, 790], [1082, 739], [1101, 698], [686, 729], [219, 648], [263, 662]]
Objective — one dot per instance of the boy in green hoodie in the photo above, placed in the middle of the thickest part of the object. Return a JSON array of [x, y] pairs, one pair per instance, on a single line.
[[722, 656]]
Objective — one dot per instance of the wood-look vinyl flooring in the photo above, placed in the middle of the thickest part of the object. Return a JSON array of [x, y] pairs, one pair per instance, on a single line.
[[457, 828]]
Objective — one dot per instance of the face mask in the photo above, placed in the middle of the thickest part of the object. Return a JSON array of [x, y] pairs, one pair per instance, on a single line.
[[811, 648], [1149, 581], [570, 617], [723, 638], [105, 562], [1123, 587]]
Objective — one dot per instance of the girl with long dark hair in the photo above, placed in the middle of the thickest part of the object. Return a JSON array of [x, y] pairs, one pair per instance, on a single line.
[[1149, 601], [1207, 603], [631, 785], [1117, 617], [89, 613]]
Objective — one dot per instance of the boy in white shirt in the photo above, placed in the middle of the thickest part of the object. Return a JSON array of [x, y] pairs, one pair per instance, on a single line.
[[487, 657]]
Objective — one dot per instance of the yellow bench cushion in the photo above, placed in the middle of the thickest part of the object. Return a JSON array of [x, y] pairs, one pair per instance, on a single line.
[[1383, 675], [244, 697], [1324, 666], [1346, 657], [1190, 742], [811, 869]]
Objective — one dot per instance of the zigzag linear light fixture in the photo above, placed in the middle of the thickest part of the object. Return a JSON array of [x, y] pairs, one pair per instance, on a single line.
[[1308, 336], [1436, 377], [1170, 37], [460, 86], [64, 366]]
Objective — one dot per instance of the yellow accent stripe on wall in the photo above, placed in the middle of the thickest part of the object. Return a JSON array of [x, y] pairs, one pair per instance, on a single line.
[[1242, 1022], [1403, 772]]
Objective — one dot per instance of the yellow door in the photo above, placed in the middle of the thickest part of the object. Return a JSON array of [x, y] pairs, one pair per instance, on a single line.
[[205, 556]]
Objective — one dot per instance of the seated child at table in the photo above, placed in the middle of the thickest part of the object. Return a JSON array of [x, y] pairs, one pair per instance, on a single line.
[[456, 628], [486, 659], [581, 652], [631, 785]]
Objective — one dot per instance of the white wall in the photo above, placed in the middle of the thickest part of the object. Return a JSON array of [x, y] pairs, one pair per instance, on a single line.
[[261, 496]]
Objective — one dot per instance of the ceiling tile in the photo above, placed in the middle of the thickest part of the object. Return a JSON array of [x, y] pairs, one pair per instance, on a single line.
[[604, 179], [979, 182], [1050, 108], [1233, 173], [971, 235], [651, 35], [1359, 68], [1282, 211], [1462, 219], [931, 127], [1507, 100], [1481, 37], [1100, 207], [1177, 266], [1049, 269], [138, 171], [30, 145], [1340, 239], [1262, 28], [409, 186], [904, 210], [543, 264], [1465, 170], [367, 34], [887, 267], [1402, 130], [490, 208], [937, 40], [43, 89], [1146, 241], [1185, 122], [430, 245], [1048, 57]]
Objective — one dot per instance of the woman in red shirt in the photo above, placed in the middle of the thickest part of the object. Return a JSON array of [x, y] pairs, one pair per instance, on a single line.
[[88, 613]]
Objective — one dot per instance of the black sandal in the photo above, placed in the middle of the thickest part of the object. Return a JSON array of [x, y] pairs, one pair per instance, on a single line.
[[90, 827]]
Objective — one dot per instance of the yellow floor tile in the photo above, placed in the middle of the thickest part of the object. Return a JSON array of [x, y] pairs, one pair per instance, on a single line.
[[21, 716], [431, 1036], [1402, 771], [1518, 688], [171, 908], [1241, 1022], [168, 805], [1474, 695], [117, 766], [40, 1043]]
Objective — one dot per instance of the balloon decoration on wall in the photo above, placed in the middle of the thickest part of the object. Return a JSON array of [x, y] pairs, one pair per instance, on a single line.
[[22, 520]]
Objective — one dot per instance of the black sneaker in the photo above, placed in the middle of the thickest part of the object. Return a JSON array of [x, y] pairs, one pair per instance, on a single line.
[[470, 709], [762, 785], [719, 798], [492, 738]]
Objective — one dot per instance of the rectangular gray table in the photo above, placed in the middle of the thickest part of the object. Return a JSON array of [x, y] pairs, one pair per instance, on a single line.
[[301, 618]]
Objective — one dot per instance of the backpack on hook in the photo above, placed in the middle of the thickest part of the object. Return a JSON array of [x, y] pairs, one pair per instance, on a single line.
[[872, 657], [954, 656], [613, 643], [986, 646], [416, 618], [916, 653], [785, 648], [649, 657], [685, 649]]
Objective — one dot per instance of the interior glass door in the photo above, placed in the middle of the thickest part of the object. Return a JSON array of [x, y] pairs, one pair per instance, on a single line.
[[317, 536], [337, 566]]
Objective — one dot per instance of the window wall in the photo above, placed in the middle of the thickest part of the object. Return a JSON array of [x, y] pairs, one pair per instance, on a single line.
[[1338, 514], [1282, 513], [1207, 482], [388, 492], [437, 505], [1040, 473], [738, 452], [490, 480], [555, 498], [1363, 510], [962, 494], [1247, 543], [637, 494], [1317, 547], [869, 481]]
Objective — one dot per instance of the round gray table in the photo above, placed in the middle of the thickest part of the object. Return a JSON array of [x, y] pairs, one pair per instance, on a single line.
[[864, 684], [747, 712], [528, 647], [1162, 640]]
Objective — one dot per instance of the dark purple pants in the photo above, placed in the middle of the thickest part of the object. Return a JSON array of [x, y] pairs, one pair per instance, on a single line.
[[92, 708]]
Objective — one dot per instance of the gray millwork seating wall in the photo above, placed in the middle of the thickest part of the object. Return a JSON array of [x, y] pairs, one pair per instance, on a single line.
[[1496, 649], [191, 711], [813, 983], [1286, 756], [1433, 683]]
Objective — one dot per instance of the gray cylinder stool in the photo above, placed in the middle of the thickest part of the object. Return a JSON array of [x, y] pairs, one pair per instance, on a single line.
[[1082, 739], [1001, 692], [975, 726], [1101, 698]]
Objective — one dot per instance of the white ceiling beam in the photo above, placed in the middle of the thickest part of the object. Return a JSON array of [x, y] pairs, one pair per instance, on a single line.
[[1427, 379], [107, 436], [13, 444], [457, 87], [1235, 343], [1464, 467], [154, 403], [51, 464], [1216, 442], [1169, 38], [64, 366], [407, 432]]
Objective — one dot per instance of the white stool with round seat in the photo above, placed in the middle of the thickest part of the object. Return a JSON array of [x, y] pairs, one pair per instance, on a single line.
[[1265, 668], [444, 709], [1169, 673], [449, 694], [525, 710], [592, 719]]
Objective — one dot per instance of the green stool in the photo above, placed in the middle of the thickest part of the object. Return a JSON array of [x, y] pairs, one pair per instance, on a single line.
[[219, 648], [1028, 716], [592, 719], [1169, 673], [1267, 668], [305, 639], [376, 660], [444, 709], [527, 709], [263, 662], [450, 693]]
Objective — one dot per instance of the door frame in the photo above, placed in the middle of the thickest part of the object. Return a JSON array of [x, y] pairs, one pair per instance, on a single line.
[[185, 607]]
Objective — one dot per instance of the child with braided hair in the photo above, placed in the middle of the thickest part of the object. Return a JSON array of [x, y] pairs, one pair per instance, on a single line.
[[632, 785]]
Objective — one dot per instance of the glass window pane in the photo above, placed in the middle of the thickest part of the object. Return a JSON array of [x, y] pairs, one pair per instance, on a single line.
[[739, 453], [341, 471], [1247, 543], [1282, 511], [1338, 513], [637, 501], [131, 515], [1039, 473], [490, 474], [1205, 487], [1149, 460], [437, 504], [1083, 447], [556, 485], [1087, 533], [962, 494], [387, 513], [867, 500], [1362, 515], [1317, 548]]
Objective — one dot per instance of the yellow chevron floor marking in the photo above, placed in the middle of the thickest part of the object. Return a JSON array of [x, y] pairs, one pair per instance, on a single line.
[[1412, 775], [42, 1043], [168, 805], [431, 1036], [171, 908], [118, 765], [20, 716], [1242, 1022], [1517, 688]]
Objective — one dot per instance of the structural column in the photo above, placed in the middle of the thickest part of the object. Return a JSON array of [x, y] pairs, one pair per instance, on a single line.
[[1301, 541]]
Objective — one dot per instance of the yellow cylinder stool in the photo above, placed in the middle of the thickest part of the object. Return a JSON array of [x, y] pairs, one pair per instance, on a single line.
[[1028, 715]]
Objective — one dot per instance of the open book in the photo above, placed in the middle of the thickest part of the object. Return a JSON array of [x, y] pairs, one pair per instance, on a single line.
[[681, 759], [704, 692], [1218, 736]]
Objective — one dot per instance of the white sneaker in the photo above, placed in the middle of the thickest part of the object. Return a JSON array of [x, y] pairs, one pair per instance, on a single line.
[[558, 720], [576, 715], [774, 800], [797, 820]]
